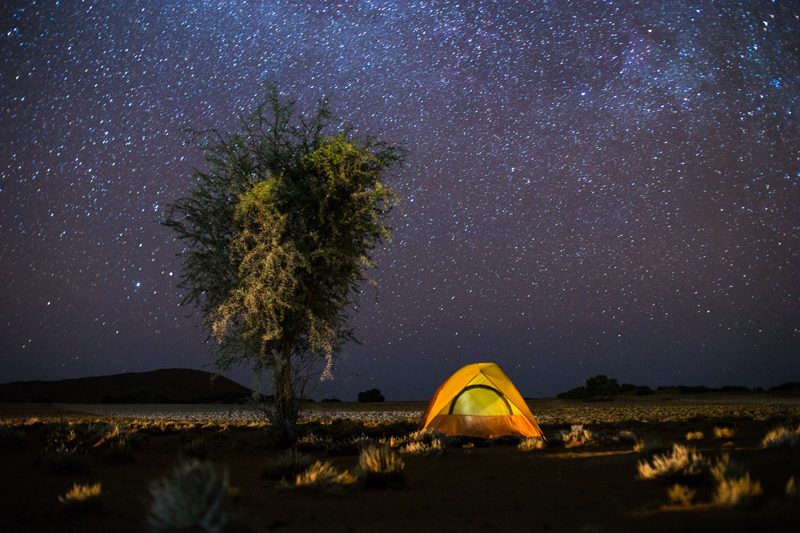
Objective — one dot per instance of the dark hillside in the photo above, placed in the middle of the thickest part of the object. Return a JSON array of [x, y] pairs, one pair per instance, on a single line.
[[175, 385]]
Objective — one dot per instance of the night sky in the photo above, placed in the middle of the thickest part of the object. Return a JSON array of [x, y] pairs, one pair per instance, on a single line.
[[592, 187]]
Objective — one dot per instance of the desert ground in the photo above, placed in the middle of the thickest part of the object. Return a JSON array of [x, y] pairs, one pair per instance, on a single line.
[[585, 478]]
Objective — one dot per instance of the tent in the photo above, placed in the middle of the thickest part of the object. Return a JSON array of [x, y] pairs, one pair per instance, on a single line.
[[479, 400]]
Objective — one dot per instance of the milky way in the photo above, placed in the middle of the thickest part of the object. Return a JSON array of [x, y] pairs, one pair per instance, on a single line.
[[592, 187]]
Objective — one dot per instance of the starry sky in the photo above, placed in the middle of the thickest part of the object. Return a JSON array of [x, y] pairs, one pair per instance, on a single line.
[[592, 186]]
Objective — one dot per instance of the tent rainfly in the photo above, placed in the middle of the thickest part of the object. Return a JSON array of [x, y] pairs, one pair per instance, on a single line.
[[480, 400]]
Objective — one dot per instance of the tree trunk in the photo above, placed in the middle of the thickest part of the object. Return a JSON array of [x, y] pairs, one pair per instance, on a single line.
[[285, 409]]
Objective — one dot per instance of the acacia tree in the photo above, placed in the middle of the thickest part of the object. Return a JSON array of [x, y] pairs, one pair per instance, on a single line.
[[278, 234]]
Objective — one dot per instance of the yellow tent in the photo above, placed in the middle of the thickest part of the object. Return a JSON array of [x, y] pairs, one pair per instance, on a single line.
[[480, 401]]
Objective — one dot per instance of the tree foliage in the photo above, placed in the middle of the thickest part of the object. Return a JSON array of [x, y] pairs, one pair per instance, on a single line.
[[278, 233], [371, 395]]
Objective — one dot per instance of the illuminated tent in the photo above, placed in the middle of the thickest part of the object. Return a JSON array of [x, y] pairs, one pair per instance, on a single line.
[[480, 401]]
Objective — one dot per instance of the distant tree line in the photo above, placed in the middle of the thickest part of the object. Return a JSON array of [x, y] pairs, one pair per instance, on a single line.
[[601, 387]]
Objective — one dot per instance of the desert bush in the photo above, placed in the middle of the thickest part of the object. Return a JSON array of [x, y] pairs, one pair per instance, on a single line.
[[723, 433], [380, 466], [733, 486], [530, 444], [82, 497], [286, 465], [781, 437], [12, 438], [195, 495], [694, 435], [680, 462], [576, 436], [791, 490], [323, 475], [681, 495]]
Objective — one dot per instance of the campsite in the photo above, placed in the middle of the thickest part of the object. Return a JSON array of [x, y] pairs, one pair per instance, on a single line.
[[586, 475]]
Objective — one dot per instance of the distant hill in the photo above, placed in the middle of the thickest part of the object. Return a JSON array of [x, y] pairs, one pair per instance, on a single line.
[[175, 385]]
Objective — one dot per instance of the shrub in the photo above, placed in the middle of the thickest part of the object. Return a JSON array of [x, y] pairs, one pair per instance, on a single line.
[[530, 444], [694, 435], [286, 465], [381, 466], [680, 462], [82, 497], [681, 495], [723, 433], [323, 475], [781, 437], [733, 486], [576, 436], [196, 495]]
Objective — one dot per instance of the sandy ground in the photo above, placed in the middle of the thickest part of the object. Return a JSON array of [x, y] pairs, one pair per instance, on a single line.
[[480, 488]]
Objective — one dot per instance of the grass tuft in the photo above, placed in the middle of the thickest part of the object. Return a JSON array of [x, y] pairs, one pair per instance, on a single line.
[[576, 436], [723, 432], [82, 497], [313, 443], [432, 448], [681, 495], [680, 462], [196, 495], [381, 467], [781, 437], [694, 435], [530, 444], [733, 486], [323, 475]]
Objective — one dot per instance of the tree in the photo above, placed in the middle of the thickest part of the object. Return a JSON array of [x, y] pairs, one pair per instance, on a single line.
[[278, 235], [601, 387], [371, 395]]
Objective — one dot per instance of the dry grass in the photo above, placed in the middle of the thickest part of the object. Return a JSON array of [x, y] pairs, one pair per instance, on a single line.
[[733, 486], [82, 497], [380, 460], [422, 442], [530, 444], [381, 467], [313, 443], [721, 432], [576, 436], [433, 448], [323, 475], [681, 495], [682, 461], [694, 435], [781, 437], [196, 495], [737, 492]]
